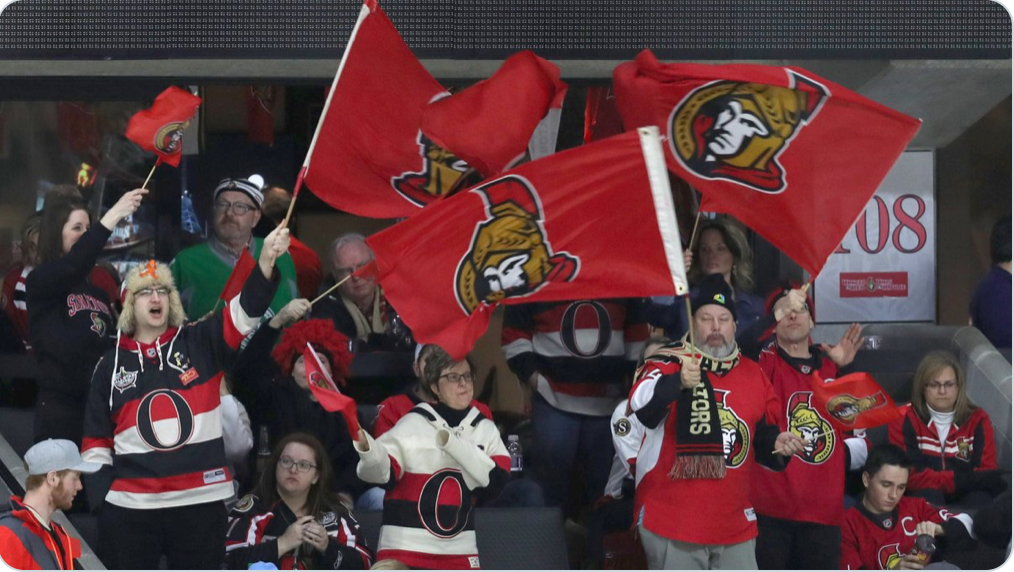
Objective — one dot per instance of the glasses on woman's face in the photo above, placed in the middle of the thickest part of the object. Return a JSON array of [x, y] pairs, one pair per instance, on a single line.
[[937, 386], [302, 466], [458, 377]]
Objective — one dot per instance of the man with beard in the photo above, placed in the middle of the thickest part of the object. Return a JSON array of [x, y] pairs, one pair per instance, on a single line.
[[201, 271], [799, 510], [29, 539], [694, 496]]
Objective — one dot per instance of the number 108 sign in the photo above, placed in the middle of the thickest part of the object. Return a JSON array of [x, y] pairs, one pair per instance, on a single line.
[[885, 268]]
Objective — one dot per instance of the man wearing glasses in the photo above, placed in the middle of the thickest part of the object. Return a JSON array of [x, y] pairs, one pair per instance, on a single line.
[[202, 271]]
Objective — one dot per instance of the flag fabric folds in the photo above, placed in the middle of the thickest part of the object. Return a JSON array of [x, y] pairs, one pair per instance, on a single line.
[[159, 129], [855, 401], [324, 389], [592, 222], [791, 155], [237, 278], [489, 124]]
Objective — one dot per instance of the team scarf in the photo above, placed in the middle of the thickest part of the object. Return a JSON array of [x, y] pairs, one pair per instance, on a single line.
[[699, 450]]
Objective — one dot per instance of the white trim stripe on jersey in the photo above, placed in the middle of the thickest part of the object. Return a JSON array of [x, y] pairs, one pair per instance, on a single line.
[[207, 427], [170, 499]]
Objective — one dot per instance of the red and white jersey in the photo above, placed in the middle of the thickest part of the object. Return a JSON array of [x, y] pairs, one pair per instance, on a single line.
[[153, 409], [583, 351], [428, 518], [12, 299], [970, 446], [703, 511], [392, 409], [878, 542]]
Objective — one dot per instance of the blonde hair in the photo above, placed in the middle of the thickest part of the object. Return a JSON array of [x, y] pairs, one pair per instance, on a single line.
[[742, 256], [389, 564], [134, 282], [930, 367]]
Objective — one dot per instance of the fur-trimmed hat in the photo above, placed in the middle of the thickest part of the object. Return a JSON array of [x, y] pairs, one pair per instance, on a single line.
[[325, 340], [153, 273], [714, 290]]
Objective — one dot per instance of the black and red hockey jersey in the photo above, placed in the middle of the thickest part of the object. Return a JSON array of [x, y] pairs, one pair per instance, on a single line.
[[811, 488], [878, 542], [392, 409], [253, 531], [583, 351], [153, 411], [968, 447], [428, 517], [704, 511]]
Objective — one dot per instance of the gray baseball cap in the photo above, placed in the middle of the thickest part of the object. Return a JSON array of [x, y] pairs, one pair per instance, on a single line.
[[57, 455]]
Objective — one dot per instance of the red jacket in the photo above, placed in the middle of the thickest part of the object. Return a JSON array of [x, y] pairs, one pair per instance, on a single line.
[[968, 447], [26, 545]]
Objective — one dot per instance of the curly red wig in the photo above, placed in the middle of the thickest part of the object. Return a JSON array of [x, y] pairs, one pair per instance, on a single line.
[[326, 341]]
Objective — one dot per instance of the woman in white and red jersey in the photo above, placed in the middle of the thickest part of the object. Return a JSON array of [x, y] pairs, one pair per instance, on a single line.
[[949, 439], [435, 461]]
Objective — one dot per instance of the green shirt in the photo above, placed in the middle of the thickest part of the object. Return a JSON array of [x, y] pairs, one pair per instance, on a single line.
[[201, 272]]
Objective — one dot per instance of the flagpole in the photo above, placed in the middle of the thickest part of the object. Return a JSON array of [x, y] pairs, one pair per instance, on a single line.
[[150, 173], [331, 289], [693, 235], [365, 11]]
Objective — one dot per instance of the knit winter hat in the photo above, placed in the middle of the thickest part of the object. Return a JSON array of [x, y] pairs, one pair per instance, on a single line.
[[152, 274], [245, 186], [714, 290]]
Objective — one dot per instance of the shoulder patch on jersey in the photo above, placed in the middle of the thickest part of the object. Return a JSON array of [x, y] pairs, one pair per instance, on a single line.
[[245, 504], [622, 427]]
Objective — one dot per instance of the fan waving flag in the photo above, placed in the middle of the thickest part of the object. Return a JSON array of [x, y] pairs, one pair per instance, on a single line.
[[855, 401], [592, 222], [159, 129], [489, 124], [791, 155], [237, 278], [323, 388]]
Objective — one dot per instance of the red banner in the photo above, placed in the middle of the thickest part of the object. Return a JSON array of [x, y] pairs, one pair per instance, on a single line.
[[159, 129], [237, 278], [489, 124], [323, 388], [855, 401], [582, 223], [873, 284], [601, 116], [790, 154], [260, 114]]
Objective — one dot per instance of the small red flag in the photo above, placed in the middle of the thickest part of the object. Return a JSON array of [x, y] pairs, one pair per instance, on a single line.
[[326, 392], [260, 114], [601, 116], [855, 401], [490, 123], [240, 272], [793, 156], [559, 228], [159, 129]]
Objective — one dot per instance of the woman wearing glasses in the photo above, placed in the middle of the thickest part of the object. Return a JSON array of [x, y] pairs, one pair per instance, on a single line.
[[435, 462], [949, 439], [71, 321], [293, 520]]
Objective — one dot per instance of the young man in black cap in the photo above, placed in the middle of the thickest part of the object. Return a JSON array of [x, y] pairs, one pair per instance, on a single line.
[[202, 271], [708, 413], [153, 416]]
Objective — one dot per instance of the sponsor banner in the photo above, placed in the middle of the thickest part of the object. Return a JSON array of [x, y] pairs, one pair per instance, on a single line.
[[885, 268]]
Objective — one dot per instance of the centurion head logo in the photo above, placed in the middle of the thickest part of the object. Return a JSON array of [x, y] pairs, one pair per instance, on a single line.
[[846, 408], [510, 255], [807, 424], [735, 131], [889, 556], [441, 172], [169, 137], [735, 433]]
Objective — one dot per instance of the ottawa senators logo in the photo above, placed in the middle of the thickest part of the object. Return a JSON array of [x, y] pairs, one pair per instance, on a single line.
[[169, 138], [845, 408], [807, 424], [441, 173], [735, 433], [510, 255], [316, 378], [98, 326], [964, 449], [889, 556], [735, 131]]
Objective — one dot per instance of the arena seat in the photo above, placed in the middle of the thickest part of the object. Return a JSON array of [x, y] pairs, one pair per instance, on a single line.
[[508, 538]]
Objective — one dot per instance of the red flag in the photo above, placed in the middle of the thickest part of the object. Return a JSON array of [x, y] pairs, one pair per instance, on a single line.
[[592, 222], [159, 129], [601, 116], [240, 272], [793, 156], [369, 156], [489, 124], [855, 401], [326, 392], [260, 114]]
